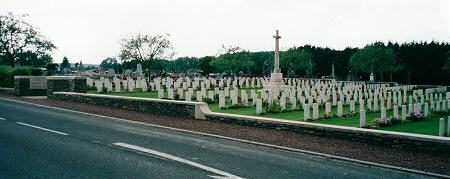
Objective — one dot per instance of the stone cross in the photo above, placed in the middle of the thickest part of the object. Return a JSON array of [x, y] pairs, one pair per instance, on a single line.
[[277, 55]]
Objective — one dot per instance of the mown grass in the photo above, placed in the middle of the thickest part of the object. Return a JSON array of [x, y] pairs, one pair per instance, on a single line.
[[430, 126]]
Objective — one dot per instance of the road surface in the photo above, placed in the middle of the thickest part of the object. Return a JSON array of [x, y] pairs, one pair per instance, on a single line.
[[51, 143]]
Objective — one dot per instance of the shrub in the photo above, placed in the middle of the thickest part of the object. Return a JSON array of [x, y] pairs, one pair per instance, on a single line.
[[396, 120], [7, 74], [383, 122], [416, 116], [236, 106], [37, 72], [209, 101], [6, 79], [274, 107], [21, 71]]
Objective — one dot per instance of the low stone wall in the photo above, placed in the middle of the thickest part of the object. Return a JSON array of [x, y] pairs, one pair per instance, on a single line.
[[7, 90], [155, 106], [199, 110], [30, 85], [43, 86], [66, 84], [387, 138]]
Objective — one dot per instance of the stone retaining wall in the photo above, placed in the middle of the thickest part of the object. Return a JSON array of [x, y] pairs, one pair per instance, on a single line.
[[7, 90], [155, 106], [387, 138], [43, 86], [30, 85], [66, 84]]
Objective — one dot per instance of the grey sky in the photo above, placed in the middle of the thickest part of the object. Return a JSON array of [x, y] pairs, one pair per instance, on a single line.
[[91, 30]]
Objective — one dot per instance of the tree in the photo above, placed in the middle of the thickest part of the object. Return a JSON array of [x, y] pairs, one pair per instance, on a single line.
[[299, 60], [30, 58], [65, 64], [108, 63], [446, 66], [204, 64], [17, 36], [80, 66], [374, 57], [146, 48]]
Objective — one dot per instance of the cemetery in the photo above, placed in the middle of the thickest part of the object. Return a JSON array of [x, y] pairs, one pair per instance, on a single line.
[[212, 89], [383, 106], [403, 108]]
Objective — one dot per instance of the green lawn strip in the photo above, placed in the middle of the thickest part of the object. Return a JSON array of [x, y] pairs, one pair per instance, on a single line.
[[430, 126]]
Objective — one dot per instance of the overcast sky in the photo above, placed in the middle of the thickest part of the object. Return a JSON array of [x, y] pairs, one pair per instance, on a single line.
[[90, 30]]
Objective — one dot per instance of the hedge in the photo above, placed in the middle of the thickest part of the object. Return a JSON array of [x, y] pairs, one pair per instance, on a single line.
[[7, 74]]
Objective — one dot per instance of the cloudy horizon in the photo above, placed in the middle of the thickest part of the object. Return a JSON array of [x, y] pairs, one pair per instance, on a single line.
[[91, 31]]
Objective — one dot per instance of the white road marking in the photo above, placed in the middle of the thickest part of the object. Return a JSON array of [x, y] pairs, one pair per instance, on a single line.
[[175, 158], [41, 128], [2, 119]]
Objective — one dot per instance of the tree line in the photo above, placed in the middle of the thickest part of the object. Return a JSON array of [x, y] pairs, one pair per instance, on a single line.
[[406, 63]]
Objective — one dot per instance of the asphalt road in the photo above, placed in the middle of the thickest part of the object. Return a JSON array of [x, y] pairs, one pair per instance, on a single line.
[[40, 142]]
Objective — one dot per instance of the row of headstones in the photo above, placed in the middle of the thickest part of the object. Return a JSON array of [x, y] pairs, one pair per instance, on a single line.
[[426, 109], [249, 82], [105, 85]]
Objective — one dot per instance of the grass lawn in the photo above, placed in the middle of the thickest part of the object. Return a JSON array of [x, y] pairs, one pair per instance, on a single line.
[[430, 126]]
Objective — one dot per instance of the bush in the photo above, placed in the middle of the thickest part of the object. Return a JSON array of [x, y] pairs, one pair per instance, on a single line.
[[21, 71], [6, 80], [7, 74], [416, 116], [37, 72], [396, 120], [383, 122], [274, 107], [208, 101]]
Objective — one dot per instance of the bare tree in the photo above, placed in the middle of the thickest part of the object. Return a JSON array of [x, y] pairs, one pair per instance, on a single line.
[[142, 47]]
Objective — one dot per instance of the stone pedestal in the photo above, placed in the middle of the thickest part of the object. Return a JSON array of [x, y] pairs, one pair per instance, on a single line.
[[276, 82]]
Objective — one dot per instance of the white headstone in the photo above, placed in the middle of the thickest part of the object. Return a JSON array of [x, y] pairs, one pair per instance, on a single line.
[[395, 112], [383, 113], [170, 93], [306, 111], [340, 109], [221, 100], [362, 119], [404, 112], [258, 106], [328, 109]]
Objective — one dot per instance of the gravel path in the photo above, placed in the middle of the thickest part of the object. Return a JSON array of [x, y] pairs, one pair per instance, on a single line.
[[426, 161]]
